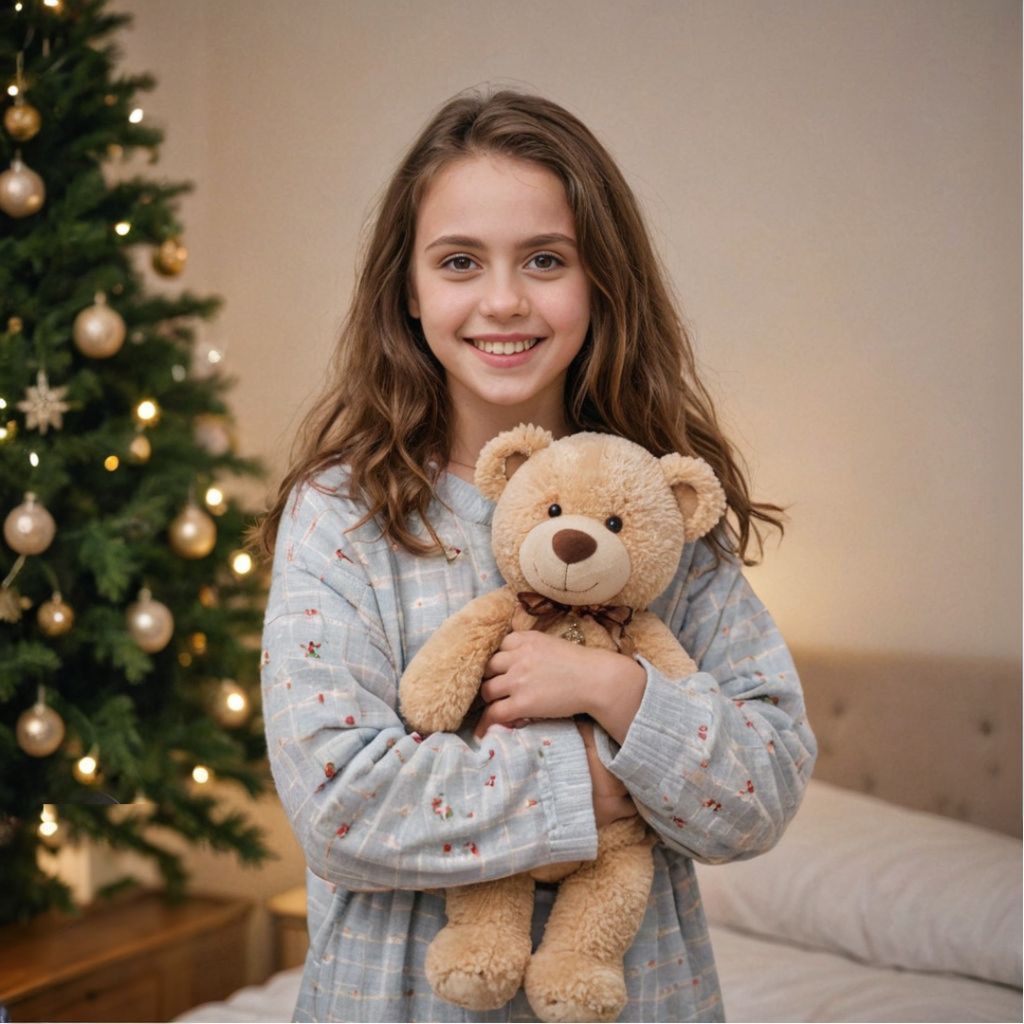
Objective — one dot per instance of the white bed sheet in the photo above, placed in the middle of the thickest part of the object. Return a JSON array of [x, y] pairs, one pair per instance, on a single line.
[[762, 981]]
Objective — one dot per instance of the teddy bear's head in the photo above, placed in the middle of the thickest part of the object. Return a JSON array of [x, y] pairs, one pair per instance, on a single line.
[[593, 519]]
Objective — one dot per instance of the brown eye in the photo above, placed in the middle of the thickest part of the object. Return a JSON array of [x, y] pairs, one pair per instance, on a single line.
[[554, 510], [614, 523]]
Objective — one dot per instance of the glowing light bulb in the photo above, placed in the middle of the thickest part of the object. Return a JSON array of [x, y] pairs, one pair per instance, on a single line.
[[87, 765], [48, 828], [33, 459], [215, 501], [3, 403], [236, 702], [241, 563], [147, 412], [201, 774], [136, 115], [214, 356], [49, 812], [12, 89], [111, 462], [122, 228]]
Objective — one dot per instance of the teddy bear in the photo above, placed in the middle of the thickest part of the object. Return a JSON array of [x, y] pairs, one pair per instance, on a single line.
[[587, 531]]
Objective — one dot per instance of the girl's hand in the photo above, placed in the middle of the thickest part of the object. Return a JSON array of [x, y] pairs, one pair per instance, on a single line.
[[536, 675], [611, 798]]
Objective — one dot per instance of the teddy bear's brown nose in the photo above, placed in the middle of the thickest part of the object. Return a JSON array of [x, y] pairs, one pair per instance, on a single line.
[[573, 545]]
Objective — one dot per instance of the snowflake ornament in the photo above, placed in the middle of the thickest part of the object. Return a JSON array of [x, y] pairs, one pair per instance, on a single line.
[[43, 406]]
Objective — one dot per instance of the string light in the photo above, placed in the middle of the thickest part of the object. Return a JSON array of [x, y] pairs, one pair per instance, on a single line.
[[3, 403], [33, 459], [12, 89], [147, 412], [48, 824], [111, 462], [7, 430], [122, 228], [241, 563], [136, 115], [201, 774], [85, 769], [215, 501]]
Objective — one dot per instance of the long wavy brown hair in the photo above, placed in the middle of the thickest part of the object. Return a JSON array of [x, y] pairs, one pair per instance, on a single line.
[[385, 410]]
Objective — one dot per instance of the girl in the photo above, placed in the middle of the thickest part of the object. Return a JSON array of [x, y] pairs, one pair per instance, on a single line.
[[509, 278]]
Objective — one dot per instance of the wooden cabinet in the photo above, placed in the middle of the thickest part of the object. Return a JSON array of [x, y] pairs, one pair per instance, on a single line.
[[291, 936], [138, 960]]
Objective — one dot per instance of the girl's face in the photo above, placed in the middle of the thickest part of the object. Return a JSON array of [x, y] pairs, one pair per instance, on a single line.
[[497, 285]]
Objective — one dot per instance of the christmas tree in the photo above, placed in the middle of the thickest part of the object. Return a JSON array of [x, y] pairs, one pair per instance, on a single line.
[[128, 606]]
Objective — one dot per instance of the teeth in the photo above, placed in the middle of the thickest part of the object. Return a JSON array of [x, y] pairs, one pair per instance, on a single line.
[[503, 348]]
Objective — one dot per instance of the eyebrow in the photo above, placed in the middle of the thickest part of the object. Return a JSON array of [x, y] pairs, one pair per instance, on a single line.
[[467, 242]]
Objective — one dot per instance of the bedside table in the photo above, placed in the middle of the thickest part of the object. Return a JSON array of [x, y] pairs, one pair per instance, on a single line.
[[291, 937], [135, 960]]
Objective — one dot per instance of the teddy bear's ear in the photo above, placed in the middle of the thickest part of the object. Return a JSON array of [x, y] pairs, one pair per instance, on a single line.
[[504, 454], [700, 495]]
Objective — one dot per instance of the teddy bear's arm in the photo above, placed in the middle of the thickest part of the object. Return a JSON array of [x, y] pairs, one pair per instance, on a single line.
[[656, 642], [440, 683]]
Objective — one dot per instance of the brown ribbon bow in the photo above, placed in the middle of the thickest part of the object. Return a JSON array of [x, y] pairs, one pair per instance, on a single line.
[[614, 618]]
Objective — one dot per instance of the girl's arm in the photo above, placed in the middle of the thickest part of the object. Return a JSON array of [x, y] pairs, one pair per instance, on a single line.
[[371, 805], [719, 759]]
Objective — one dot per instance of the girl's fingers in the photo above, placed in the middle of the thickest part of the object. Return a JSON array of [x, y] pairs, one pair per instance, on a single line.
[[498, 665], [494, 690]]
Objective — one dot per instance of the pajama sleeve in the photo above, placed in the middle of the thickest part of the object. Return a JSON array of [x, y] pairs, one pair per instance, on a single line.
[[718, 761], [372, 805]]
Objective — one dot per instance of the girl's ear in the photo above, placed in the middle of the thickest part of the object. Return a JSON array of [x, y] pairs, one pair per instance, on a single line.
[[697, 490], [504, 454], [413, 303]]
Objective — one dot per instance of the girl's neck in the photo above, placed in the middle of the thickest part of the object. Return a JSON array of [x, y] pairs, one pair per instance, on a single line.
[[473, 428]]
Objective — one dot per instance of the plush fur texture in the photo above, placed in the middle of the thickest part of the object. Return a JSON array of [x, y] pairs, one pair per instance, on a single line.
[[588, 520]]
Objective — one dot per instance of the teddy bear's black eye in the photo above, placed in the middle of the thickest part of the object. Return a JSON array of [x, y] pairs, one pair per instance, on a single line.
[[554, 510], [614, 523]]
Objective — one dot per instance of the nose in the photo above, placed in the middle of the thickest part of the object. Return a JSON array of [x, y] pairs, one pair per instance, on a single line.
[[573, 546], [503, 297]]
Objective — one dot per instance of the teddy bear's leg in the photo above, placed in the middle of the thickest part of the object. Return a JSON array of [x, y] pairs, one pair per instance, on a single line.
[[577, 972], [478, 959]]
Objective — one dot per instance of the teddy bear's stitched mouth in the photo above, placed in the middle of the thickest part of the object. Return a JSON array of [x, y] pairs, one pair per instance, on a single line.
[[563, 589]]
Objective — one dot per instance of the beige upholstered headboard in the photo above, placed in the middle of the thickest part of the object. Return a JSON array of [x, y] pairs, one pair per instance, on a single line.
[[940, 734]]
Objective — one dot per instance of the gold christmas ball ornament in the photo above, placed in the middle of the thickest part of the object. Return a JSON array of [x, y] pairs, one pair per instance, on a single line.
[[22, 121], [150, 623], [192, 533], [40, 730], [99, 331], [169, 258], [29, 529], [55, 617], [22, 191], [140, 449], [230, 704]]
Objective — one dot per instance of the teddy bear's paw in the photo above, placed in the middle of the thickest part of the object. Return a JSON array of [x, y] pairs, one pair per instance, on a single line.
[[476, 967], [571, 986]]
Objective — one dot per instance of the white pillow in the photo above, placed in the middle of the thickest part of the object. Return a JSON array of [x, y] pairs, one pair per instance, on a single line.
[[887, 885]]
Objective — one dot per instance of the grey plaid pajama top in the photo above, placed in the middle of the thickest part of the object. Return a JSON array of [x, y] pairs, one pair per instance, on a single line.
[[718, 761]]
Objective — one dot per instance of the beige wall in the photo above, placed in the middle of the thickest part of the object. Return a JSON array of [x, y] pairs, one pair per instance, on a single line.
[[834, 186]]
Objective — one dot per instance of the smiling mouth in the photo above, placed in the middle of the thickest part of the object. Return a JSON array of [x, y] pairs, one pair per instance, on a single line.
[[563, 588], [504, 348]]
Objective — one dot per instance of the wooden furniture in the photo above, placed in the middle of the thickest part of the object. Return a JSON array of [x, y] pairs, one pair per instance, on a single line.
[[139, 959], [291, 938]]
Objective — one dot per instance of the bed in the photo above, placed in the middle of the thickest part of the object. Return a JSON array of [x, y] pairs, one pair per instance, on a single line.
[[873, 907]]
